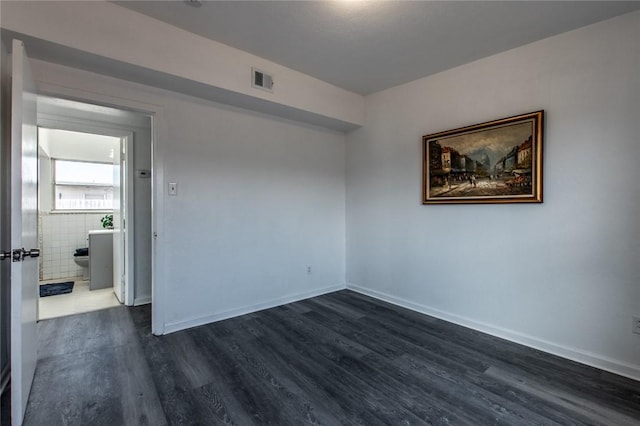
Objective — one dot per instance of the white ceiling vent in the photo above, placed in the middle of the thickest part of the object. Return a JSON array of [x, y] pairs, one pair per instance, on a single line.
[[261, 80]]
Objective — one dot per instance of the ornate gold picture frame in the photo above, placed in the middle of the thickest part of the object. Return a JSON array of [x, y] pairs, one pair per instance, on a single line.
[[498, 161]]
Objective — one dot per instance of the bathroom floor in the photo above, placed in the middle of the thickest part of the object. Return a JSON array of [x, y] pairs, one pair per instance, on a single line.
[[81, 299]]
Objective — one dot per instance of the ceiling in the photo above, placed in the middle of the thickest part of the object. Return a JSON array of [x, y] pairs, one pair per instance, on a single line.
[[368, 46], [68, 145]]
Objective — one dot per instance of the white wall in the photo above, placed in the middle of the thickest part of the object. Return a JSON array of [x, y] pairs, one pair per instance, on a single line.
[[259, 199], [562, 275], [142, 193]]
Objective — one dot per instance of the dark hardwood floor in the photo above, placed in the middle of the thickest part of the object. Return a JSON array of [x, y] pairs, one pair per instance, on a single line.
[[337, 359]]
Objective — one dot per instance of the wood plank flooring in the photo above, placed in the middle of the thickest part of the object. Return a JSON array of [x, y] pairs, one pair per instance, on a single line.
[[337, 359]]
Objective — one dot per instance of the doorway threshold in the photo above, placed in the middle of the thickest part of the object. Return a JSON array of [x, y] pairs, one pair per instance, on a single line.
[[80, 300]]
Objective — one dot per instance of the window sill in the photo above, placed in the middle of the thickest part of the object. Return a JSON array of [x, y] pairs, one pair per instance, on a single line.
[[55, 212]]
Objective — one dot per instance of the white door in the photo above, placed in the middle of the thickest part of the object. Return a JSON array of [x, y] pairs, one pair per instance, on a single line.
[[123, 237], [118, 228], [126, 203], [24, 232]]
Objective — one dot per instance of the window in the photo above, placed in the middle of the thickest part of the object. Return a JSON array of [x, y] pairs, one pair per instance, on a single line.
[[82, 185]]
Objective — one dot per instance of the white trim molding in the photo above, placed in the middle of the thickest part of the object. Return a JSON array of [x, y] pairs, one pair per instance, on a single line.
[[172, 327], [573, 354], [141, 301]]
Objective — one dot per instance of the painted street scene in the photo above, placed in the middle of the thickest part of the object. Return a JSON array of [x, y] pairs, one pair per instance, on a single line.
[[493, 162]]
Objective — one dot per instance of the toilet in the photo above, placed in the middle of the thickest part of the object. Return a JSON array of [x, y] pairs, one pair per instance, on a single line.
[[81, 257]]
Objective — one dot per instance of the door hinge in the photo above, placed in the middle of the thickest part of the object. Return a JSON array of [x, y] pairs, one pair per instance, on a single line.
[[5, 255]]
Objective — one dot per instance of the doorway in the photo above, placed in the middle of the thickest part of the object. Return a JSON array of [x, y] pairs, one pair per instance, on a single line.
[[89, 181], [78, 193]]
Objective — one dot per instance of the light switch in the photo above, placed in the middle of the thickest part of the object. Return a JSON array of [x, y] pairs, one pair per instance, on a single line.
[[173, 188]]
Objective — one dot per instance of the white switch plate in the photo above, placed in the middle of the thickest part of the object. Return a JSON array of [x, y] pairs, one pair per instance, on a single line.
[[173, 188]]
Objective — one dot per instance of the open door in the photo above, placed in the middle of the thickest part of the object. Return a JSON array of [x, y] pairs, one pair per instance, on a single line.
[[127, 222], [24, 232], [123, 236], [118, 228]]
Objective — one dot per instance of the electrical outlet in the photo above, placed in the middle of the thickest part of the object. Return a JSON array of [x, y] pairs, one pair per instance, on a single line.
[[636, 325]]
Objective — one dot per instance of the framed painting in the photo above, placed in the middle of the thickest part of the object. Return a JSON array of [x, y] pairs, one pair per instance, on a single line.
[[495, 162]]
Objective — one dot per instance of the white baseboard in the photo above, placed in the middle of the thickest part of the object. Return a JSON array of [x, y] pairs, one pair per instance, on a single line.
[[4, 378], [172, 327], [594, 360], [142, 301]]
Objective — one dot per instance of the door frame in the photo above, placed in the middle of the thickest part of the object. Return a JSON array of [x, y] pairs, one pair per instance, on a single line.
[[159, 133]]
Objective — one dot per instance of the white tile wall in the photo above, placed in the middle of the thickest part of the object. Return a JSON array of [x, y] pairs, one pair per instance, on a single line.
[[60, 235]]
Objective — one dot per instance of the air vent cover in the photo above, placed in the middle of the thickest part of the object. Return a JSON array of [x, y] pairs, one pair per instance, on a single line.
[[261, 80]]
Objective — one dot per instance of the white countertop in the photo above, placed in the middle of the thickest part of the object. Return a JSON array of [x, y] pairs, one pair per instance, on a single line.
[[101, 231]]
